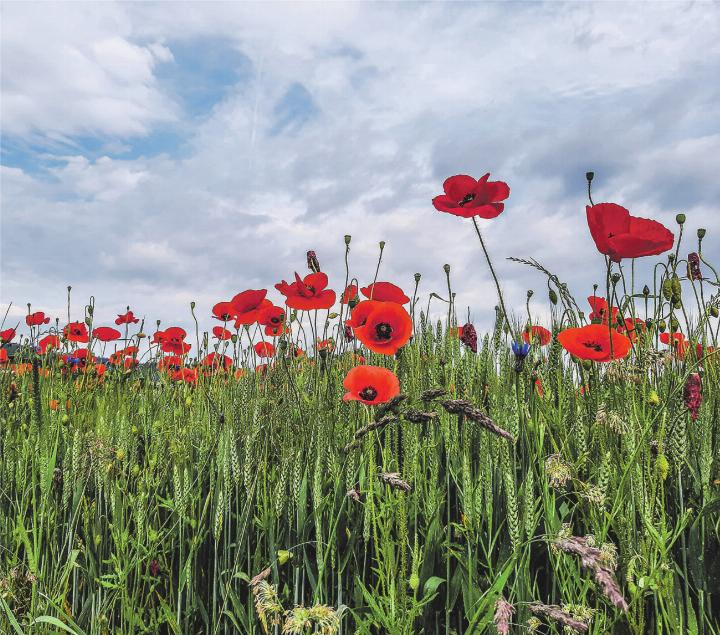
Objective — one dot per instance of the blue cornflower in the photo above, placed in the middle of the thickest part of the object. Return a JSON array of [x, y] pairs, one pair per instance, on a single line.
[[520, 350]]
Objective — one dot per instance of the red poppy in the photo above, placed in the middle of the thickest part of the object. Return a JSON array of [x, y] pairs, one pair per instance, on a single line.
[[385, 292], [308, 293], [370, 385], [3, 356], [361, 312], [126, 318], [599, 312], [298, 352], [466, 197], [593, 342], [216, 360], [36, 319], [387, 328], [79, 357], [631, 327], [223, 311], [171, 340], [170, 362], [7, 336], [105, 334], [539, 388], [706, 352], [76, 332], [619, 235], [350, 293], [188, 375], [325, 345], [246, 305], [100, 370], [220, 333], [537, 333], [271, 315], [677, 341], [49, 341], [276, 331], [239, 373], [264, 349]]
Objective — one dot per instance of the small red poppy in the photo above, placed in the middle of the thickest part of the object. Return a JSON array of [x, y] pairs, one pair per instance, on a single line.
[[223, 311], [105, 334], [126, 318], [171, 340], [309, 293], [387, 328], [464, 196], [599, 311], [49, 341], [537, 334], [220, 333], [264, 349], [350, 293], [370, 385], [36, 319], [3, 356], [619, 235], [246, 306], [170, 362], [187, 375], [385, 292], [216, 360], [7, 336], [593, 342], [271, 315], [276, 331], [631, 327], [76, 332]]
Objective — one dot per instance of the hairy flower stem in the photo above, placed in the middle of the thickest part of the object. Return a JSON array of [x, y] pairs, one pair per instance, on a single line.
[[494, 277]]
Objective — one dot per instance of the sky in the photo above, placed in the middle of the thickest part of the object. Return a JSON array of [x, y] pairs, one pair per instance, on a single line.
[[158, 154]]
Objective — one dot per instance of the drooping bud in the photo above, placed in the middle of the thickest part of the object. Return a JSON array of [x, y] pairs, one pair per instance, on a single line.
[[552, 296], [694, 272], [646, 291], [417, 277], [312, 262]]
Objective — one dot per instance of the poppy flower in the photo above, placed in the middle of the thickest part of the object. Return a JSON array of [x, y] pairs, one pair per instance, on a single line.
[[706, 352], [276, 331], [126, 318], [678, 343], [3, 356], [264, 349], [171, 340], [537, 333], [619, 235], [308, 293], [49, 341], [385, 292], [7, 336], [361, 312], [171, 363], [350, 294], [239, 373], [325, 345], [100, 369], [215, 360], [54, 404], [464, 196], [187, 375], [76, 332], [106, 334], [223, 311], [271, 315], [631, 328], [370, 385], [387, 328], [36, 319], [468, 336], [220, 333], [246, 305], [539, 388], [593, 342], [599, 308]]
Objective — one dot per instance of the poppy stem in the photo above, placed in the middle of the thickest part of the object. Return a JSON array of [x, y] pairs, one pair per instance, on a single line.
[[494, 276]]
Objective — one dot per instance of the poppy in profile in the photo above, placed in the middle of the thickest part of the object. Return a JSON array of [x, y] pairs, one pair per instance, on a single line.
[[677, 342], [309, 293], [370, 385], [385, 292], [126, 318], [350, 294], [619, 235], [223, 311], [106, 334], [632, 327], [246, 306], [36, 319], [593, 342], [467, 197], [170, 363], [76, 332], [187, 375], [599, 313], [220, 333], [3, 356], [537, 334], [276, 331], [215, 360], [264, 349], [49, 341], [705, 353], [7, 336], [387, 328]]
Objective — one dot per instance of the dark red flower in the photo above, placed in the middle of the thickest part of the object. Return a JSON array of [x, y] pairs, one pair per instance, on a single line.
[[308, 293], [36, 319], [105, 334], [264, 349], [49, 341], [593, 342], [220, 333], [387, 328], [126, 318], [468, 336], [385, 292], [466, 197], [7, 336], [370, 385], [692, 392], [246, 306], [537, 334], [694, 272], [76, 332], [619, 235]]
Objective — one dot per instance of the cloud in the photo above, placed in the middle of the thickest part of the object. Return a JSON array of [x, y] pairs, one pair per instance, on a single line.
[[301, 123]]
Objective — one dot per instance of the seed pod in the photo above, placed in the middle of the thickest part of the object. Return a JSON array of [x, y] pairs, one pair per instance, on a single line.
[[674, 324], [701, 233], [667, 289], [714, 311], [675, 285], [553, 296], [662, 325], [680, 219], [646, 291]]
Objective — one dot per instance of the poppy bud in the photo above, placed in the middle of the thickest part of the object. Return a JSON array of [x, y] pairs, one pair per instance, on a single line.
[[649, 323], [530, 293], [353, 303], [234, 338], [141, 335], [293, 316], [675, 285], [89, 309], [382, 245], [701, 233], [667, 289], [446, 268], [589, 176], [312, 262], [348, 238], [662, 325], [552, 296], [693, 261], [714, 311], [192, 304], [417, 277], [646, 291], [332, 316], [680, 219]]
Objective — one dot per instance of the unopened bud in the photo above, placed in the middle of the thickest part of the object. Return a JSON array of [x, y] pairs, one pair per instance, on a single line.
[[417, 277], [446, 268], [348, 238], [680, 219], [530, 293], [552, 296], [615, 278]]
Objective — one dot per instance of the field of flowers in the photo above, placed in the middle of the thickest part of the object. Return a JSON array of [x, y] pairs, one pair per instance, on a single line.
[[336, 462]]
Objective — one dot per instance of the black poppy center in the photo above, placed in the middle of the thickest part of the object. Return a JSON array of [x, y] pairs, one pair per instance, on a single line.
[[368, 393], [466, 199], [594, 346], [383, 331]]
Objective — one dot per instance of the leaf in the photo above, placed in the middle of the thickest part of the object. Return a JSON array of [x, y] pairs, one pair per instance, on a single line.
[[47, 619], [431, 585]]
